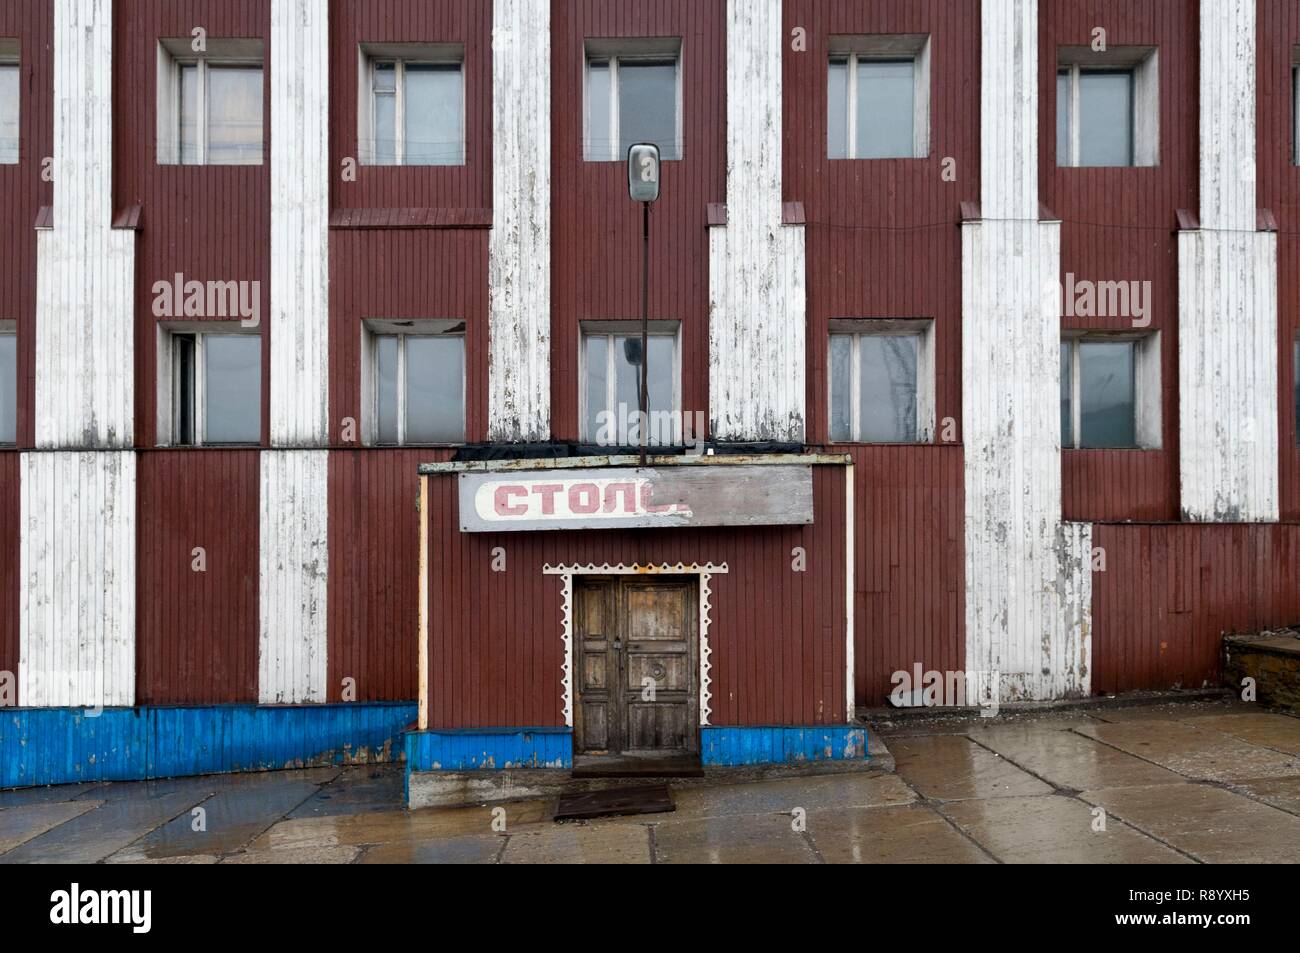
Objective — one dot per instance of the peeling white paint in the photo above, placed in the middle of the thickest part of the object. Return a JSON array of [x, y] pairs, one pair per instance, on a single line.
[[519, 245], [293, 645], [757, 277], [78, 546], [1028, 574], [1227, 297], [299, 223], [85, 285]]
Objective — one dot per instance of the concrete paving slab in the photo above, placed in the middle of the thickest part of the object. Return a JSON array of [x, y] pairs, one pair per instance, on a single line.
[[358, 790], [94, 835], [579, 843], [780, 796], [1211, 824], [183, 859], [305, 855], [482, 849], [1195, 751], [1266, 729], [732, 839], [56, 794], [901, 834], [1279, 792], [386, 827], [231, 818], [20, 824], [951, 767], [1068, 760], [1054, 830]]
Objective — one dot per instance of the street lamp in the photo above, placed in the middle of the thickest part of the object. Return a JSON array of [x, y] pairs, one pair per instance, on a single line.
[[643, 187]]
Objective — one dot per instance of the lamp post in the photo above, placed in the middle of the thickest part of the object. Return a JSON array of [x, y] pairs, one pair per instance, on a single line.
[[643, 187]]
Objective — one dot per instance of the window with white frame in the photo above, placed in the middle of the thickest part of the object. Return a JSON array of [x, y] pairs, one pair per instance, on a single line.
[[878, 97], [610, 393], [1110, 390], [10, 99], [210, 385], [411, 104], [1107, 107], [414, 374], [881, 381], [210, 103], [634, 94], [8, 383]]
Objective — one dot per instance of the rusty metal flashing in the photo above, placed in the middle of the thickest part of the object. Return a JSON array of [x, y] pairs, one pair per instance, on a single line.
[[632, 460]]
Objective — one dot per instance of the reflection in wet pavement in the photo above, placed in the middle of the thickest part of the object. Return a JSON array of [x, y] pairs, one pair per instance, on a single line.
[[1185, 783]]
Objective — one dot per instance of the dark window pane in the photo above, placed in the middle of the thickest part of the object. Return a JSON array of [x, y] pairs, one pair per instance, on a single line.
[[234, 115], [885, 116], [600, 144], [386, 389], [841, 387], [434, 116], [1063, 117], [1296, 372], [647, 105], [1067, 394], [435, 389], [595, 363], [887, 382], [660, 386], [232, 368], [1105, 118], [9, 100], [185, 395], [837, 109], [8, 388], [1106, 394]]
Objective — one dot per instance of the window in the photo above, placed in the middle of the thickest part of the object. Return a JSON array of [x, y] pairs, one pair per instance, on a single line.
[[1110, 391], [415, 376], [881, 375], [1295, 386], [611, 384], [412, 104], [1107, 107], [215, 393], [9, 102], [210, 104], [878, 97], [8, 384], [634, 95]]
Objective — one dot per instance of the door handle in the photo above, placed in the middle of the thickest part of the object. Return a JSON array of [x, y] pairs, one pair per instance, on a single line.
[[618, 645]]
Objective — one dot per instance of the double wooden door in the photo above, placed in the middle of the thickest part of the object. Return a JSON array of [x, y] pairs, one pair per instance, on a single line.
[[636, 665]]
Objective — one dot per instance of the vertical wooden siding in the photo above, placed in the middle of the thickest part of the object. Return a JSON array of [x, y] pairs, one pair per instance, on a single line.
[[596, 230], [777, 636], [883, 243], [32, 24], [1277, 37], [196, 637], [1170, 592], [206, 222], [1118, 224]]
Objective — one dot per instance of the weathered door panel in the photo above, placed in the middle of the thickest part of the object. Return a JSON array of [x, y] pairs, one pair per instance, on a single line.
[[637, 643]]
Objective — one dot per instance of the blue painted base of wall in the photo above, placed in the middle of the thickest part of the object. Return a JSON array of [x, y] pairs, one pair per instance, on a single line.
[[735, 745], [40, 746], [486, 749]]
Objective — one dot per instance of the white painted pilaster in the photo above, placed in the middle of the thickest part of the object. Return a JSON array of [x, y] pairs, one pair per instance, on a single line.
[[1028, 574], [85, 269], [292, 651], [78, 546], [757, 275], [519, 245], [299, 223], [1227, 296]]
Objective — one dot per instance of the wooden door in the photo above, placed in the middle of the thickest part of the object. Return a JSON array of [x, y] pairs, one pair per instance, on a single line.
[[636, 655]]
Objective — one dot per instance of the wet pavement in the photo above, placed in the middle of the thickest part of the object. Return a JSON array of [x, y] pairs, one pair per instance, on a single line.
[[1207, 782]]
